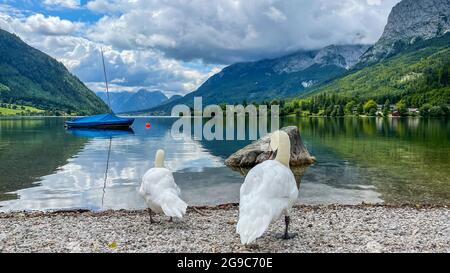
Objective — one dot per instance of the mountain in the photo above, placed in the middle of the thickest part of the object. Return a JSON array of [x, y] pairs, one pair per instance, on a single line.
[[410, 21], [31, 77], [122, 102], [173, 98], [273, 78], [410, 62], [418, 75]]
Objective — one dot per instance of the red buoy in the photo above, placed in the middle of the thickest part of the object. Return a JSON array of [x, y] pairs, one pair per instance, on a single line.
[[147, 125]]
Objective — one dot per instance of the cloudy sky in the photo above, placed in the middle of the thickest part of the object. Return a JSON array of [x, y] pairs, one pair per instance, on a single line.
[[175, 45]]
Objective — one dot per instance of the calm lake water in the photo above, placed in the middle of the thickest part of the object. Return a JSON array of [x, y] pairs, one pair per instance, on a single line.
[[43, 166]]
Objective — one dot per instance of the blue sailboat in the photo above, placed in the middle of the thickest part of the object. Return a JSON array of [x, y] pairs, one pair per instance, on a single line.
[[103, 121]]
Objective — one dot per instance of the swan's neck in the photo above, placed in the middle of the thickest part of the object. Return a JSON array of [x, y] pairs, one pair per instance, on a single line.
[[159, 161], [284, 154]]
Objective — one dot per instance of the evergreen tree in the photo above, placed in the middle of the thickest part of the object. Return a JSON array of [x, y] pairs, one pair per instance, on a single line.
[[360, 109], [386, 108]]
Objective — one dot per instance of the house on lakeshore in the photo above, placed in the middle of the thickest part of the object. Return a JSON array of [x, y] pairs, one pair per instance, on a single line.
[[396, 114]]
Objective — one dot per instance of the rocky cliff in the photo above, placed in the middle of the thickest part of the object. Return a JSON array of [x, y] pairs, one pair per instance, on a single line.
[[409, 22]]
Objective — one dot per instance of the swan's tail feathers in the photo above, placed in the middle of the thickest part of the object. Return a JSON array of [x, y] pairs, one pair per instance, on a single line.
[[173, 206], [250, 227]]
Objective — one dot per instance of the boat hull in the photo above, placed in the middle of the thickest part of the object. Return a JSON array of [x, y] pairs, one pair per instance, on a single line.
[[106, 121]]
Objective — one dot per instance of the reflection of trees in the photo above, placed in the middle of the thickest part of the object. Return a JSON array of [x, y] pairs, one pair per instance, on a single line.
[[420, 131], [412, 154], [21, 123], [32, 148]]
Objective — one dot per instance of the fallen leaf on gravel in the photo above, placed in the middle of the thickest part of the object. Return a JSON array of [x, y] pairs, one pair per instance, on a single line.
[[113, 245]]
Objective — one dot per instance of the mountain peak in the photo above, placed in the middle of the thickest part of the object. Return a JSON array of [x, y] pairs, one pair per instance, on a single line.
[[409, 22], [273, 78], [343, 56], [125, 101], [155, 92]]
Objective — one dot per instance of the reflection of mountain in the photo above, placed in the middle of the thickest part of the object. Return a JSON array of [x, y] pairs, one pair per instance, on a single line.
[[223, 149], [358, 159], [411, 155], [32, 148], [80, 182]]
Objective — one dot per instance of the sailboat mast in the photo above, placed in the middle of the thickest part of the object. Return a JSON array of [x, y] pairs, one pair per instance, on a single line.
[[106, 80]]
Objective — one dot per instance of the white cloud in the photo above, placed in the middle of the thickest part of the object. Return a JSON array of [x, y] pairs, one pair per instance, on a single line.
[[72, 4], [228, 31], [175, 45], [49, 25], [103, 6], [128, 69], [276, 15], [38, 24], [374, 2]]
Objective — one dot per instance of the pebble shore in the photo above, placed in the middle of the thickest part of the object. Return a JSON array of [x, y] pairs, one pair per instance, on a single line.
[[336, 228]]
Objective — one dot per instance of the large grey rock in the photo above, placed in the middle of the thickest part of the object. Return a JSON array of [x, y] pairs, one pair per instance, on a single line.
[[259, 151], [409, 22]]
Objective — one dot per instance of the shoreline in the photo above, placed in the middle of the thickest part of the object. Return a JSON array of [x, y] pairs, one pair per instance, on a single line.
[[320, 228], [225, 206]]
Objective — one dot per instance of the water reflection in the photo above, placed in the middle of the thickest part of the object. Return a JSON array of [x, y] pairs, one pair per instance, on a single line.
[[81, 183], [297, 171], [406, 160], [30, 149], [99, 133], [371, 160]]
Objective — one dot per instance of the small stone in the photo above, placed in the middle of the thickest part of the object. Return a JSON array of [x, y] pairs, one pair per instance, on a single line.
[[374, 247]]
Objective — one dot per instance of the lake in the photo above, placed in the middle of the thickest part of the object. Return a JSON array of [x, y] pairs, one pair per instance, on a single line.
[[44, 166]]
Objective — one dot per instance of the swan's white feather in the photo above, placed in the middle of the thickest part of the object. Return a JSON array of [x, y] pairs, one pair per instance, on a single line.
[[268, 192], [161, 193]]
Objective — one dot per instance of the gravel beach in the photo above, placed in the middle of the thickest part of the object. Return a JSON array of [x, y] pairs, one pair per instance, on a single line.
[[362, 228]]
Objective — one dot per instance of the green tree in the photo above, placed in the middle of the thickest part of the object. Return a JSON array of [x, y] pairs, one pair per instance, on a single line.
[[329, 111], [314, 109], [402, 108], [436, 111], [348, 109], [360, 109], [339, 111], [369, 105], [425, 110], [445, 110], [387, 108]]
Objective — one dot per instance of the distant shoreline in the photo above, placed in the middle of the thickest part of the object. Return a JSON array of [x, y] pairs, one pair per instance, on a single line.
[[330, 228]]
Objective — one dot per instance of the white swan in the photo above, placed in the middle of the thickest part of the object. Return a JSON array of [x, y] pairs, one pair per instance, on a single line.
[[268, 192], [160, 191]]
